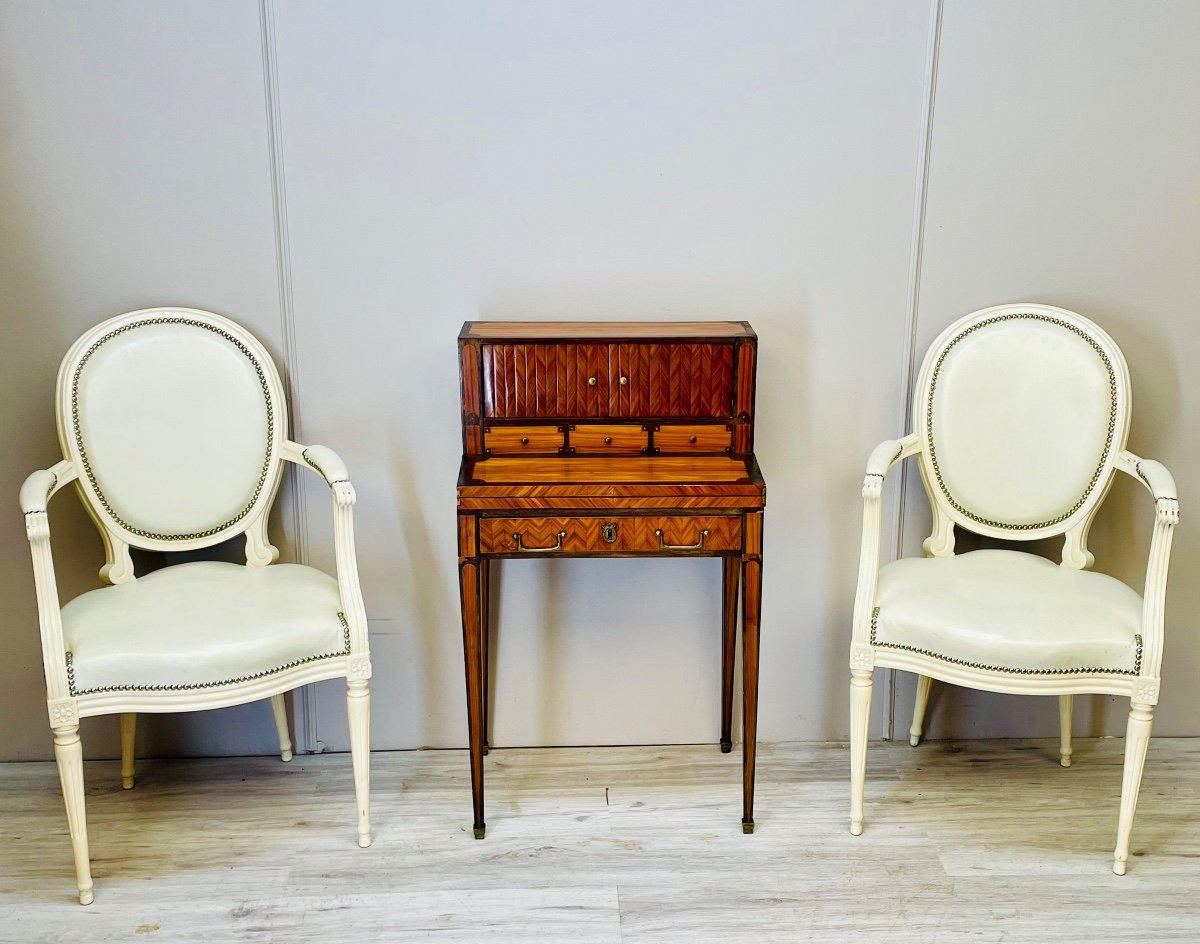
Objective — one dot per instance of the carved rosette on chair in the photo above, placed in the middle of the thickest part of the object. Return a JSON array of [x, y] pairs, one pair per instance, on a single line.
[[173, 425], [1022, 412]]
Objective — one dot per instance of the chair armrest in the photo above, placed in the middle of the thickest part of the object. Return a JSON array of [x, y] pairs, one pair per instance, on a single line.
[[1161, 485], [1158, 481], [35, 496], [883, 457], [40, 486], [328, 464]]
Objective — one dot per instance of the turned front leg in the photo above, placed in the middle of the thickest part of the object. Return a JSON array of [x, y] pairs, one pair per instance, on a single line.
[[128, 737]]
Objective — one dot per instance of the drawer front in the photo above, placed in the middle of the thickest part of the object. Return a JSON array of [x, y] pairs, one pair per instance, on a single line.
[[514, 440], [607, 379], [617, 440], [682, 438], [654, 534]]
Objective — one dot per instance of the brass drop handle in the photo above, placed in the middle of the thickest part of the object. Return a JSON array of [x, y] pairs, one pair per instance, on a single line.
[[591, 381], [624, 381], [664, 546], [544, 550]]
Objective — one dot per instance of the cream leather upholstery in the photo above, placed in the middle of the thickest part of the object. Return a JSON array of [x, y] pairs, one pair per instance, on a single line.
[[202, 624], [173, 424], [1008, 611], [150, 401], [1021, 414]]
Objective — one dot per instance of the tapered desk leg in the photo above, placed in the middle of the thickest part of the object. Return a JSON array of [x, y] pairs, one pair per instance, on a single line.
[[485, 633], [751, 600], [731, 567], [468, 584]]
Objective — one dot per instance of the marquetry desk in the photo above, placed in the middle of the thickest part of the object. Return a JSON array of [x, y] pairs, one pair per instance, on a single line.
[[611, 439]]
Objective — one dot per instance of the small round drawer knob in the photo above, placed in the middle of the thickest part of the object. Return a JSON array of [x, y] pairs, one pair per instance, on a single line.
[[608, 440], [525, 440], [692, 440], [591, 381], [624, 381]]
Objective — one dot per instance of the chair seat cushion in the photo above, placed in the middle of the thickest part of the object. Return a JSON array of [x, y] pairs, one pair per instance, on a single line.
[[201, 625], [1009, 611]]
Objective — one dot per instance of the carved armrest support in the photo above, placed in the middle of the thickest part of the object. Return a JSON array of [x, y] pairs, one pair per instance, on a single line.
[[35, 496], [327, 462]]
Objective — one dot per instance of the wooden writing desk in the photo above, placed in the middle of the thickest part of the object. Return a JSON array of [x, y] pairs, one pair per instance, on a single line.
[[611, 439]]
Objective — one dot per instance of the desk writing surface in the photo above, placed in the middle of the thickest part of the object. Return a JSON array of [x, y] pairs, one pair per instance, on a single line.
[[697, 470]]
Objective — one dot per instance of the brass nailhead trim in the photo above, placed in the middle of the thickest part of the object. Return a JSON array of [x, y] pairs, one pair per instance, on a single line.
[[345, 651], [87, 467], [1112, 421], [1136, 670]]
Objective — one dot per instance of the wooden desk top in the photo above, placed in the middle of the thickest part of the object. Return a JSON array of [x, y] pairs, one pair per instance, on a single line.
[[592, 330]]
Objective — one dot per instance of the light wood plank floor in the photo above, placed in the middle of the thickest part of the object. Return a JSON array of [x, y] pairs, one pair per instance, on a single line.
[[981, 842]]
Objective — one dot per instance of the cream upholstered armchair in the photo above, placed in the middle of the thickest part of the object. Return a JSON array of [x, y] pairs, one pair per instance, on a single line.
[[1022, 413], [173, 425]]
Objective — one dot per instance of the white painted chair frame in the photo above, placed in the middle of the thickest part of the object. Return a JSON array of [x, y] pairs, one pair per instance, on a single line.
[[65, 707], [1141, 688]]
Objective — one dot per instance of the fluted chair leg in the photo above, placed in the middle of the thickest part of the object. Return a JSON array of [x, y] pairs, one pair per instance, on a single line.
[[358, 709], [128, 736], [860, 716], [1137, 739], [279, 710], [68, 751], [924, 684], [1066, 705]]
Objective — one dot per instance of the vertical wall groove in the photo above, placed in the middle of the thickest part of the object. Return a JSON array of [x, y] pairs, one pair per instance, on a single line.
[[304, 708], [916, 252]]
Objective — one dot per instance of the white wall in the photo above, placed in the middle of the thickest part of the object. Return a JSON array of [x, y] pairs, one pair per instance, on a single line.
[[624, 160]]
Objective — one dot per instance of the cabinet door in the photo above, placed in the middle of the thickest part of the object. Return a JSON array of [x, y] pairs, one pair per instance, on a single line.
[[607, 379], [678, 380], [545, 380]]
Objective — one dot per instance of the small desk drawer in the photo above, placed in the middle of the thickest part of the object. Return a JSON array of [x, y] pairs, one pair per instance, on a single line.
[[623, 440], [514, 440], [654, 534], [679, 438]]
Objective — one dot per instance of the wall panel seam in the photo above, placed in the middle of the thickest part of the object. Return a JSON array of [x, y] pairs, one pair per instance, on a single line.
[[916, 255], [303, 707]]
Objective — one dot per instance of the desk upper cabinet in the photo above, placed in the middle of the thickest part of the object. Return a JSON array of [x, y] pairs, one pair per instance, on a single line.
[[574, 388], [610, 439]]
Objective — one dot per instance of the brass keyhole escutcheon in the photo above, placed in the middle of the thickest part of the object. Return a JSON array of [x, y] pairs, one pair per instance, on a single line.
[[609, 532]]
